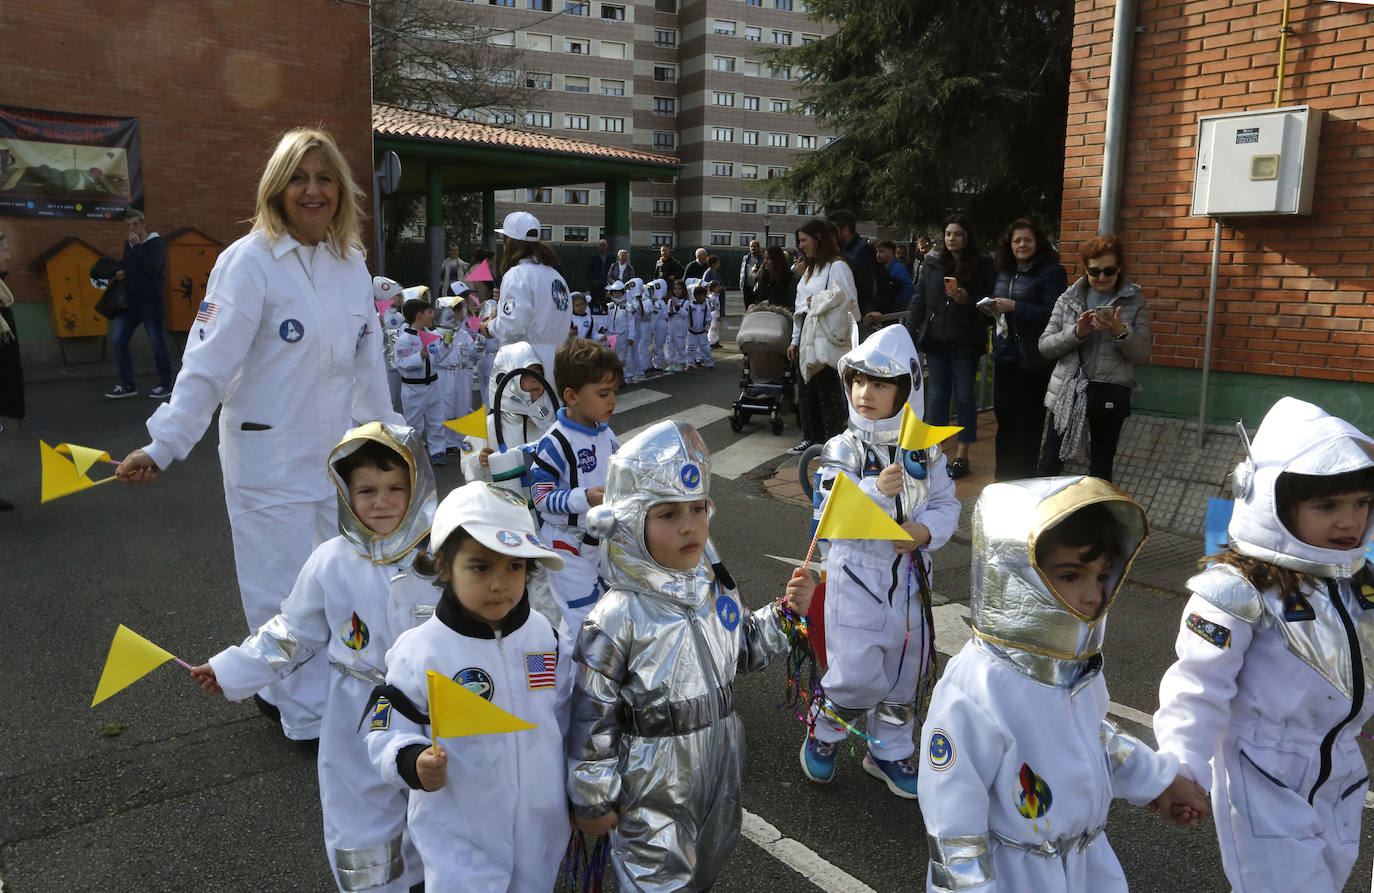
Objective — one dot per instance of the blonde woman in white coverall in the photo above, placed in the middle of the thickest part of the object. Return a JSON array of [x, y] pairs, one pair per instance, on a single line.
[[287, 341]]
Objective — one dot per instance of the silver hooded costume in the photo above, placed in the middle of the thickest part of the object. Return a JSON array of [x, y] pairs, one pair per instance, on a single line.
[[877, 640], [654, 733], [1019, 762], [346, 602], [1270, 692]]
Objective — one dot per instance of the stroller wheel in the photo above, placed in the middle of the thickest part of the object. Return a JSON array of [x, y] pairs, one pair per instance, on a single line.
[[736, 423], [777, 426]]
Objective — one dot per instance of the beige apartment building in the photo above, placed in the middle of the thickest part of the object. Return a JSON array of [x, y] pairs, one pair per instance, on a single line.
[[683, 77]]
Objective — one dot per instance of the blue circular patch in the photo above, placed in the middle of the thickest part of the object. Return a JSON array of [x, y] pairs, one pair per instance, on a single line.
[[691, 476], [291, 331], [354, 633], [727, 609], [508, 538], [534, 540], [475, 680], [941, 750], [466, 445], [913, 465]]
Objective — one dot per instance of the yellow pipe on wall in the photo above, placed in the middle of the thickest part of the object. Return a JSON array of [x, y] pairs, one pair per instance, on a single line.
[[1283, 52]]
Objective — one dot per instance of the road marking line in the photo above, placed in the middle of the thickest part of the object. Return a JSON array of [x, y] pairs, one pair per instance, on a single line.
[[698, 416], [746, 454], [632, 400], [800, 858]]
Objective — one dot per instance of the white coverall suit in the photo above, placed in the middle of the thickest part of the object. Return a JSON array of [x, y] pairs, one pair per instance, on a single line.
[[1019, 764], [455, 379], [877, 642], [288, 342], [660, 331], [535, 307], [676, 345], [421, 397], [698, 338], [1269, 694], [352, 599]]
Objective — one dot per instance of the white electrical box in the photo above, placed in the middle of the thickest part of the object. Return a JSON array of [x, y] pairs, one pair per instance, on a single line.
[[1256, 163]]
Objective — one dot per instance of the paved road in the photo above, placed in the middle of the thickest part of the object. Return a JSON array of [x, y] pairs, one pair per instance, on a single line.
[[163, 788]]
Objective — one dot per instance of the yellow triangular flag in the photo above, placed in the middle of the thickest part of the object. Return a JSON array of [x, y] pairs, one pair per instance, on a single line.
[[917, 435], [850, 515], [83, 457], [60, 477], [474, 424], [131, 658], [455, 711]]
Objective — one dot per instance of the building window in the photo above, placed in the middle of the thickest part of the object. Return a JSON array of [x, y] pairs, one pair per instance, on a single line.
[[751, 103], [661, 239], [577, 46], [538, 119], [779, 239], [746, 238], [783, 37], [664, 140], [540, 42], [612, 125], [808, 39], [775, 172], [723, 134], [753, 2], [601, 197], [546, 234], [782, 4], [806, 142], [665, 6], [751, 69], [722, 169], [721, 204], [752, 33], [749, 171], [665, 37], [778, 140], [778, 105], [666, 73], [573, 84], [719, 97], [503, 77], [501, 2], [720, 26], [805, 209], [751, 137], [780, 74], [720, 238], [577, 122], [574, 234], [500, 116], [538, 80], [806, 109], [612, 49], [540, 196], [748, 206], [777, 207], [576, 196], [723, 63], [539, 5], [612, 88], [612, 13], [663, 207], [577, 9], [664, 105]]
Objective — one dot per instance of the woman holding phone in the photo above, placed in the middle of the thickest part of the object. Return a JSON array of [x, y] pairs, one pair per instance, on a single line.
[[947, 326], [1099, 329]]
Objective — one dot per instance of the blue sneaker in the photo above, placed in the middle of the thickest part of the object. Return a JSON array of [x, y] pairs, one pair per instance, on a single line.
[[817, 760], [898, 775]]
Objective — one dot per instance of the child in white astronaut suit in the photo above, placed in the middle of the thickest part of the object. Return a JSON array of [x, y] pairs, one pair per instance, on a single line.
[[418, 363], [675, 346], [878, 642], [1020, 764], [343, 602], [455, 373], [698, 327], [487, 812], [392, 320], [1272, 683]]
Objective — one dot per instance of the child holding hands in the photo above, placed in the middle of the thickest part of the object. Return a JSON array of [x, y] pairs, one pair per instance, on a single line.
[[1021, 762], [655, 749]]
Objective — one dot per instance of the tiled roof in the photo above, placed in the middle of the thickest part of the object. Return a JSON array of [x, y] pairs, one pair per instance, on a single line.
[[389, 120]]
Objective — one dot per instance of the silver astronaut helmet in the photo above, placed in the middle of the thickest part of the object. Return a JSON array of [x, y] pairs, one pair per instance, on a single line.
[[887, 353], [519, 355], [1298, 438], [1014, 605], [414, 527], [668, 462]]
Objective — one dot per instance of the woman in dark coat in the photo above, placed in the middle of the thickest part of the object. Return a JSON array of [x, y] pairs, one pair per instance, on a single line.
[[776, 283], [1029, 281]]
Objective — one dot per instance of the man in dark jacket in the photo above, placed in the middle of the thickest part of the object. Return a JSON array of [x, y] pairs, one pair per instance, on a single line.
[[861, 259], [597, 265], [144, 273], [667, 268]]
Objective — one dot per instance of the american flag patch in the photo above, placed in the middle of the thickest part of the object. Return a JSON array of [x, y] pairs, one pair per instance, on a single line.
[[539, 668], [542, 490], [207, 312]]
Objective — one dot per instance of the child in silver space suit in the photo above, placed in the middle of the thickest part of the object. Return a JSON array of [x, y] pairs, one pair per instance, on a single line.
[[1273, 682], [655, 748], [1020, 763]]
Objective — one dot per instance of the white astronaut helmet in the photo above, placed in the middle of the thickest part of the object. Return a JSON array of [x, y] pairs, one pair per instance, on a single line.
[[887, 353], [519, 355], [414, 527]]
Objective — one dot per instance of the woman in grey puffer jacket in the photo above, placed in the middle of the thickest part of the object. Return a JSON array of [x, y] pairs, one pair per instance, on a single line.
[[1098, 331]]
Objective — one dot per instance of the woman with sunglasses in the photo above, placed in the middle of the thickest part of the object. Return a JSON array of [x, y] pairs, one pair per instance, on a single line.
[[1098, 331]]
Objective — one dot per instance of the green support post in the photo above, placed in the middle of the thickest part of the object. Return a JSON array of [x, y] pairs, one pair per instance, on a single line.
[[618, 214], [489, 237], [434, 222]]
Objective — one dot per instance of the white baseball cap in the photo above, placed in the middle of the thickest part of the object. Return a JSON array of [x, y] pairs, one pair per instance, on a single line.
[[384, 289], [496, 518], [458, 287], [520, 225]]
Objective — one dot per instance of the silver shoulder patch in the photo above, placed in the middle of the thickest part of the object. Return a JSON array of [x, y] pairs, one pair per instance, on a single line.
[[1224, 588]]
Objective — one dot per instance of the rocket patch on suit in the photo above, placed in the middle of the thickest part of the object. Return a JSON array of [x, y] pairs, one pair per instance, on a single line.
[[691, 476], [381, 716], [727, 609], [940, 751], [354, 633], [1033, 799], [1296, 608], [291, 331], [872, 464], [475, 680], [508, 538], [1210, 630]]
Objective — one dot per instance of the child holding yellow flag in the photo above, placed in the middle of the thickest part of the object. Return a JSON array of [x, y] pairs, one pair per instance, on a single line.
[[344, 603], [878, 638], [488, 812]]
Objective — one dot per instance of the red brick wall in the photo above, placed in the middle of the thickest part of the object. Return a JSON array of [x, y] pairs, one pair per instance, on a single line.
[[1295, 294], [213, 84]]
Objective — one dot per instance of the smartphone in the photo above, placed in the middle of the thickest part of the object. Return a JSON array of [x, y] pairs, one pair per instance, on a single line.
[[951, 284]]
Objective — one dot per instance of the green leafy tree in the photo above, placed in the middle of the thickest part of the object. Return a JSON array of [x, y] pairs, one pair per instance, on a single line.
[[942, 106]]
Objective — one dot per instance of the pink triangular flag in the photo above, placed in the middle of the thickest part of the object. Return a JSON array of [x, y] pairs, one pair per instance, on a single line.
[[382, 306], [479, 273], [428, 338], [610, 341], [475, 324]]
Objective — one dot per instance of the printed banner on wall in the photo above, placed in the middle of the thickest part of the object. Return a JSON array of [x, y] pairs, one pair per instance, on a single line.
[[55, 164]]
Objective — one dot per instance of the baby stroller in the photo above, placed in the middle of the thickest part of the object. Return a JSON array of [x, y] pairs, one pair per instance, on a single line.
[[767, 382]]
